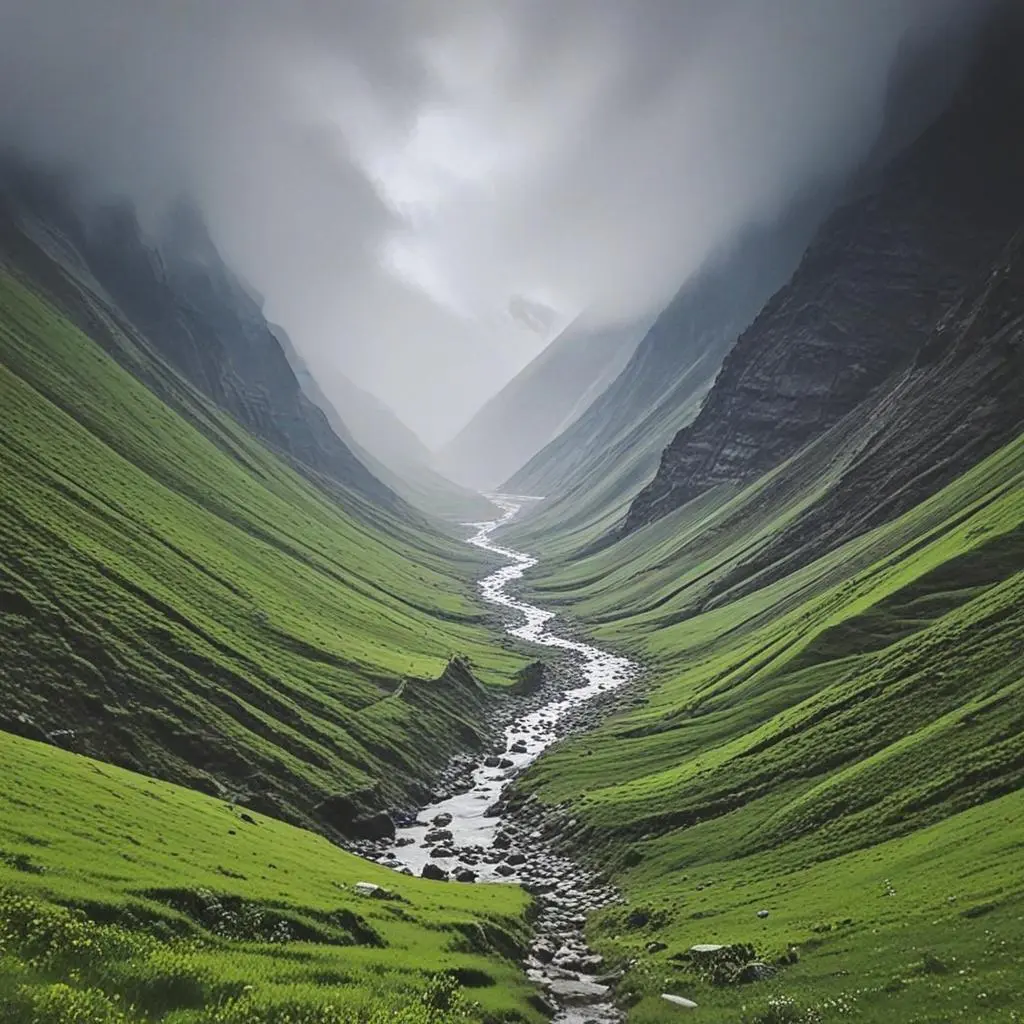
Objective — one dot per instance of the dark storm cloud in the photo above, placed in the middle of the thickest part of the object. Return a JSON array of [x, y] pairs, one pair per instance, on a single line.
[[394, 176]]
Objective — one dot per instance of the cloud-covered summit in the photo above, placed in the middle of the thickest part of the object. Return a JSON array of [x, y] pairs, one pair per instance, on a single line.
[[399, 177]]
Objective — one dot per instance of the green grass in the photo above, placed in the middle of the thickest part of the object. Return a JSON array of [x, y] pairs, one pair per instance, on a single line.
[[190, 606], [171, 905], [806, 735]]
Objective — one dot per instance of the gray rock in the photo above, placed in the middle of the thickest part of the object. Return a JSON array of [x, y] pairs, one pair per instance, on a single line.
[[576, 992], [755, 971], [681, 1001], [434, 873]]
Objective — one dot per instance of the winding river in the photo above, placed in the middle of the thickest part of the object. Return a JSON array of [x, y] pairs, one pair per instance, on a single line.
[[526, 737], [469, 831]]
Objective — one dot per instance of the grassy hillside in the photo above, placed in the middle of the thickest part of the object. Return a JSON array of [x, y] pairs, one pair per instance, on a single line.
[[809, 744], [124, 899], [174, 598]]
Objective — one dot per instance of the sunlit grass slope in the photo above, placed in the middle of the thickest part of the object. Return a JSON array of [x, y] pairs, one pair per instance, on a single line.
[[196, 910], [806, 737], [174, 598]]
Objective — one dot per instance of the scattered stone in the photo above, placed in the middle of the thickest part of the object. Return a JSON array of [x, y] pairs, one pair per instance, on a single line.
[[762, 914], [755, 971], [434, 873], [247, 818], [442, 851], [575, 992], [374, 891], [441, 820], [465, 875], [492, 761], [505, 870], [519, 747], [680, 1001], [656, 947]]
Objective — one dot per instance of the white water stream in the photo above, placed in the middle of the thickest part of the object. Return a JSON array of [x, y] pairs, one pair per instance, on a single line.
[[469, 825]]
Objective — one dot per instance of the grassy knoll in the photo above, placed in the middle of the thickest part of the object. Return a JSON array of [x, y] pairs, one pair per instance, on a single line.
[[175, 598], [807, 736], [127, 899]]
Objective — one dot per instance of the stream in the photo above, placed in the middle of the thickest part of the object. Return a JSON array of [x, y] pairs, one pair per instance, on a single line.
[[471, 837]]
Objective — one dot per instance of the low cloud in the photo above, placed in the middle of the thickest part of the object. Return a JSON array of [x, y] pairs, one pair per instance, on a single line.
[[411, 184]]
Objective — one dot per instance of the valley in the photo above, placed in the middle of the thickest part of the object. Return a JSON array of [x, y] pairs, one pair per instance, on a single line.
[[685, 678]]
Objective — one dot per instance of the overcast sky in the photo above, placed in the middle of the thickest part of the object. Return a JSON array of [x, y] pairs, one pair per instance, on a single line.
[[424, 190]]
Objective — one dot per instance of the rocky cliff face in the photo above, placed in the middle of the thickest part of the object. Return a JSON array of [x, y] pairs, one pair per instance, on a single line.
[[879, 289]]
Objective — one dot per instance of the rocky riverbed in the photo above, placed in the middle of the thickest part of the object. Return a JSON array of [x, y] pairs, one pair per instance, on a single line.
[[469, 834]]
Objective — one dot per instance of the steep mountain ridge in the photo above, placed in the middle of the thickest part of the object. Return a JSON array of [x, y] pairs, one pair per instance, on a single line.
[[184, 597], [179, 295], [875, 286], [593, 469]]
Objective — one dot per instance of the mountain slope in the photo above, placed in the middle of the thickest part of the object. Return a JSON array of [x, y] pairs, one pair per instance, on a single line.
[[541, 401], [176, 292], [591, 472], [124, 900], [826, 766], [177, 598]]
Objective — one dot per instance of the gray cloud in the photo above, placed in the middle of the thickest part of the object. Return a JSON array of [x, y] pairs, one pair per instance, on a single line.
[[393, 175]]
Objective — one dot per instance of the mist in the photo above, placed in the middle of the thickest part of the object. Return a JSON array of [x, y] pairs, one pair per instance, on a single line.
[[426, 191]]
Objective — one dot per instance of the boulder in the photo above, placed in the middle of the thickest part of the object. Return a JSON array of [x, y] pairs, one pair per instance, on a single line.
[[465, 875], [441, 820], [373, 891], [755, 971], [442, 851], [576, 992], [372, 826], [434, 873]]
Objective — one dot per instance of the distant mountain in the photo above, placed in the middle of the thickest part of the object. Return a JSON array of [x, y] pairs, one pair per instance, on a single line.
[[591, 470], [546, 397], [384, 444]]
